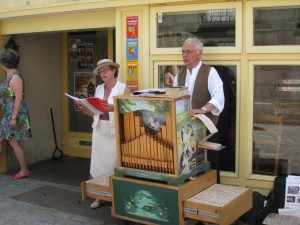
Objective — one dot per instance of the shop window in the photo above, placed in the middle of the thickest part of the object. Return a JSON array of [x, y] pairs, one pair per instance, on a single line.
[[218, 26], [276, 119], [276, 26], [227, 120], [84, 49], [166, 74], [273, 24]]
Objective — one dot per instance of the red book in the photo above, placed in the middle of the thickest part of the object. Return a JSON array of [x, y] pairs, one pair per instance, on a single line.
[[94, 104]]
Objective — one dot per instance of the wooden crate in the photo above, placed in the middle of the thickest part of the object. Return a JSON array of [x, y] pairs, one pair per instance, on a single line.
[[157, 135], [99, 187], [154, 203], [221, 204]]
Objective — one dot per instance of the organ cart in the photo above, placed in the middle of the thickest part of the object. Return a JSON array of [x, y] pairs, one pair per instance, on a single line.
[[163, 176]]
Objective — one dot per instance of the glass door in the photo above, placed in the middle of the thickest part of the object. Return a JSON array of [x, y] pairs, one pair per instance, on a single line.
[[84, 50]]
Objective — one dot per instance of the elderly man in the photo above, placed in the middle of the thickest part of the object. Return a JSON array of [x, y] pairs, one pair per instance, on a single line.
[[204, 83], [205, 87]]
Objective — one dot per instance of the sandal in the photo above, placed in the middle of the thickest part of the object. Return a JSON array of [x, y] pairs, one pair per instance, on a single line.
[[96, 204]]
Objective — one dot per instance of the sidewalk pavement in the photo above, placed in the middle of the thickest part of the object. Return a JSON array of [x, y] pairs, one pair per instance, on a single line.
[[29, 212], [16, 212]]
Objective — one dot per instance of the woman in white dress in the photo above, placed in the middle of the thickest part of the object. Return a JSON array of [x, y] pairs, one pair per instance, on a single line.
[[104, 156]]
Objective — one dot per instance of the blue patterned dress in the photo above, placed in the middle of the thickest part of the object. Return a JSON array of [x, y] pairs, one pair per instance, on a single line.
[[22, 130]]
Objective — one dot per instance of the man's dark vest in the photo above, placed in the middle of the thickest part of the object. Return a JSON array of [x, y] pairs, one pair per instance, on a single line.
[[201, 94]]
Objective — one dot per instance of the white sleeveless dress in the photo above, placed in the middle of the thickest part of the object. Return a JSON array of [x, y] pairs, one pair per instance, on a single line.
[[104, 153]]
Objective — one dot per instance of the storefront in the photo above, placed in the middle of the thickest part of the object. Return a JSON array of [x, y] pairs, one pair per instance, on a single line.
[[255, 46]]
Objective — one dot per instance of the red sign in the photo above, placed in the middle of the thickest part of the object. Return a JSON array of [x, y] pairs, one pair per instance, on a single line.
[[132, 27]]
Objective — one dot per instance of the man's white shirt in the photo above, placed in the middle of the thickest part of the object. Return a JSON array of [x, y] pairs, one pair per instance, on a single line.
[[215, 87]]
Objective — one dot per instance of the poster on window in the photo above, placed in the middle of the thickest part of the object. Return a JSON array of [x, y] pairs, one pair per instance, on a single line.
[[85, 84], [73, 44], [85, 55]]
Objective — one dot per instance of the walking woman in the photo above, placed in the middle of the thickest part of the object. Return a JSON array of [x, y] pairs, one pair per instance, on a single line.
[[15, 126]]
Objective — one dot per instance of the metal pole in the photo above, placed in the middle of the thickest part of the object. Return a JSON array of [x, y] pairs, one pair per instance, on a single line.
[[56, 147]]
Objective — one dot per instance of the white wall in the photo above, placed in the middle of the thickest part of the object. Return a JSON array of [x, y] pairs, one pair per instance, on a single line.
[[40, 64]]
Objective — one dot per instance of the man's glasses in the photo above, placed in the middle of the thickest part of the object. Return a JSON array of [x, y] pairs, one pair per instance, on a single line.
[[188, 52], [103, 71]]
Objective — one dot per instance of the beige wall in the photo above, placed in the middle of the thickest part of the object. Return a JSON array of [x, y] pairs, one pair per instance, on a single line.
[[40, 64], [17, 8]]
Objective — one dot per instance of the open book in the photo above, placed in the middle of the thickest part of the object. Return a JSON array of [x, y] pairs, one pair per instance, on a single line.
[[94, 104], [212, 130], [209, 145]]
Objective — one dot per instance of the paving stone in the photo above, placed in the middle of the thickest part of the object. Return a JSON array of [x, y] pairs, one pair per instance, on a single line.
[[16, 212], [80, 218]]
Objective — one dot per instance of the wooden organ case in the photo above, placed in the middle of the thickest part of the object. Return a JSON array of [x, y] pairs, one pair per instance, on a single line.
[[156, 139]]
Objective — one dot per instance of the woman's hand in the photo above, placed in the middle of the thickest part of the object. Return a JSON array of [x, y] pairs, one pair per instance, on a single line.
[[12, 122], [83, 109], [109, 107]]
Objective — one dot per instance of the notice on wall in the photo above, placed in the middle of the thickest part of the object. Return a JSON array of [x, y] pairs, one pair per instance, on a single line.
[[132, 26], [292, 192], [132, 57], [85, 55], [85, 83], [132, 49]]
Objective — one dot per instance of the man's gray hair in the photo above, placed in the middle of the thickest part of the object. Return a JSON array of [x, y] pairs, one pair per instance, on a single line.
[[196, 41]]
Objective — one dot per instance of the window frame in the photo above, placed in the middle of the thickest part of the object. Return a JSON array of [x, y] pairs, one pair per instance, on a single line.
[[196, 7], [249, 157], [250, 48]]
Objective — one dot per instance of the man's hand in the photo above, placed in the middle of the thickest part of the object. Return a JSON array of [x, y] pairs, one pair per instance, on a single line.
[[197, 111]]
